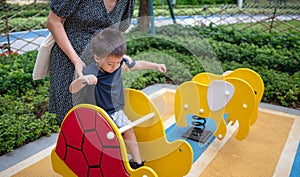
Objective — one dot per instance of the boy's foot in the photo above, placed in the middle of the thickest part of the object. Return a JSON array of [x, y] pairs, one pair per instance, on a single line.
[[135, 165]]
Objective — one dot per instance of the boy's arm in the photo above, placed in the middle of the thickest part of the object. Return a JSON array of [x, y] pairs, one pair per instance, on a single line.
[[141, 64], [81, 82]]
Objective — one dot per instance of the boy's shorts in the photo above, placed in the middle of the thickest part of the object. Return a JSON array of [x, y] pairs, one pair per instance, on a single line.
[[120, 118]]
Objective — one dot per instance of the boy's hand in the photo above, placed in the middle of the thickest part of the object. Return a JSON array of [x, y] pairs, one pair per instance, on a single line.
[[89, 79], [81, 82], [125, 68], [161, 68], [129, 60]]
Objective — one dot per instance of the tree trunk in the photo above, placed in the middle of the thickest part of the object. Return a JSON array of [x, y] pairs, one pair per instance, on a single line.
[[143, 21]]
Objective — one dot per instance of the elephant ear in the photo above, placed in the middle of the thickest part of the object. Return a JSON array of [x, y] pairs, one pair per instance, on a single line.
[[219, 94], [257, 84], [241, 106]]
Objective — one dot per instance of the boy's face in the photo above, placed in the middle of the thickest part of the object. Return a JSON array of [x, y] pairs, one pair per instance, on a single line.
[[109, 64]]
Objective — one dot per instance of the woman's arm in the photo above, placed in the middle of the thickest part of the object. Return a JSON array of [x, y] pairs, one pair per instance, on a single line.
[[56, 26]]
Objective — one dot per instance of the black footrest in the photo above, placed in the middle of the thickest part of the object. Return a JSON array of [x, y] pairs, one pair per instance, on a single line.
[[197, 134]]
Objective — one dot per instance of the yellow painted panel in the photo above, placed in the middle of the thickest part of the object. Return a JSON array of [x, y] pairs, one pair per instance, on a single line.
[[241, 106], [59, 166], [160, 154], [191, 98], [256, 82]]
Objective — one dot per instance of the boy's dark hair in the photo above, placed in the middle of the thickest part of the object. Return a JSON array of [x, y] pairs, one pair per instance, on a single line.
[[109, 42]]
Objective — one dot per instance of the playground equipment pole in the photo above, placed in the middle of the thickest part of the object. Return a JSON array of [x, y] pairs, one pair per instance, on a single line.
[[151, 13], [171, 10]]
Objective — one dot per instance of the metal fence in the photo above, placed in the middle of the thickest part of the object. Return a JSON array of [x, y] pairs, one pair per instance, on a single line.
[[23, 27]]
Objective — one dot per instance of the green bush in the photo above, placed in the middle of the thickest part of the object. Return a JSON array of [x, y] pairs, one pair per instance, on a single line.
[[193, 51], [17, 73], [28, 10], [284, 60], [24, 24], [280, 88], [258, 38], [24, 113]]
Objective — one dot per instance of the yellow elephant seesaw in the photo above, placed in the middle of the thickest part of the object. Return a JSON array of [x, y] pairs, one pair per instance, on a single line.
[[90, 144], [236, 93]]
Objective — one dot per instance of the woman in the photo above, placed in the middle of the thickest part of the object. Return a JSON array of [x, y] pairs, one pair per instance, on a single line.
[[72, 24]]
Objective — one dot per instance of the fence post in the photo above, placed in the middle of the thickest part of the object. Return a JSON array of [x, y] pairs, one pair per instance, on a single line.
[[240, 4], [171, 10], [7, 31], [274, 15], [151, 13]]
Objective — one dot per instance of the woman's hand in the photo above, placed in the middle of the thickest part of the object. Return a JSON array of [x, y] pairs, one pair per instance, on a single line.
[[79, 66], [56, 26]]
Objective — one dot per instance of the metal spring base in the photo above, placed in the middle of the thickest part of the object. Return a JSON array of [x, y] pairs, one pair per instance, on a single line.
[[197, 132]]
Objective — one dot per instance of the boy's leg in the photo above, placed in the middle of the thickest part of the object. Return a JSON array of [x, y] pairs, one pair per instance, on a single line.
[[133, 149], [121, 120], [132, 145]]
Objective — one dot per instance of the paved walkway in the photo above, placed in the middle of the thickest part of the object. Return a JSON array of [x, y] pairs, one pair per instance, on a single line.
[[269, 150]]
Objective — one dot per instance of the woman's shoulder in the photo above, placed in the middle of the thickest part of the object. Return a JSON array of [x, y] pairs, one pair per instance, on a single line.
[[64, 8]]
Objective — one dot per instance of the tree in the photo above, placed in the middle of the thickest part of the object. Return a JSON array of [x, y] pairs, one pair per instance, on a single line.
[[144, 13]]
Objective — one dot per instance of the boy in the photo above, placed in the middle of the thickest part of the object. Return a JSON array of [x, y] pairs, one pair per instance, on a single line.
[[109, 49]]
